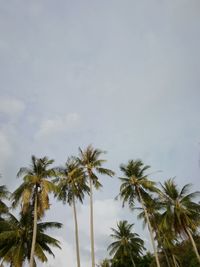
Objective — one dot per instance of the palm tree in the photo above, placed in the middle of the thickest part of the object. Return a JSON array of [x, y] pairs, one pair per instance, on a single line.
[[181, 212], [90, 160], [136, 185], [34, 191], [71, 187], [187, 257], [127, 245], [164, 239], [104, 263], [16, 236], [167, 241], [4, 194]]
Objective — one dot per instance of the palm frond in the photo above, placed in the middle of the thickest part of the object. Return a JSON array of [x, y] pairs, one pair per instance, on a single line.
[[48, 225]]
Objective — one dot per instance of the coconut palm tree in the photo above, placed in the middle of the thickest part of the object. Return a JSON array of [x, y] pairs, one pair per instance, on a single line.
[[164, 239], [104, 263], [72, 187], [136, 185], [90, 160], [4, 194], [127, 245], [181, 212], [34, 191], [16, 236]]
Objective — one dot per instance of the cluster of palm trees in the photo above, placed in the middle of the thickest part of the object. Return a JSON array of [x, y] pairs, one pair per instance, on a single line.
[[170, 213], [24, 239], [68, 184]]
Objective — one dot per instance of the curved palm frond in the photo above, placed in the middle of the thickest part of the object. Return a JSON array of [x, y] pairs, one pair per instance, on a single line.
[[127, 245], [16, 238]]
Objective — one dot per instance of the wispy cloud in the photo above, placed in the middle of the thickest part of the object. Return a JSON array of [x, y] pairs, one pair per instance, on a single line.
[[51, 127], [11, 106], [121, 75], [6, 150], [106, 213]]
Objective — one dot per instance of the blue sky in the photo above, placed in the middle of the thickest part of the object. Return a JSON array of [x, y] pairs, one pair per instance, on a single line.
[[122, 75]]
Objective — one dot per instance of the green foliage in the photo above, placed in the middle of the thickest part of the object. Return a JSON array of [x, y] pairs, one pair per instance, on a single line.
[[185, 253], [170, 212], [180, 211], [16, 239], [127, 246], [71, 182], [90, 160], [146, 260], [4, 194], [135, 183], [105, 263], [35, 182]]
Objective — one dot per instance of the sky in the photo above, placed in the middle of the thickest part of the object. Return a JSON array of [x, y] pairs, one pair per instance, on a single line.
[[123, 76]]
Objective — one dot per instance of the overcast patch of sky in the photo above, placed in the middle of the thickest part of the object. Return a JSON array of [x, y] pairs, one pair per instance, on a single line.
[[123, 76]]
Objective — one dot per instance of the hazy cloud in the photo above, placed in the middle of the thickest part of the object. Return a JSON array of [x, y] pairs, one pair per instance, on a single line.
[[11, 106], [57, 125], [106, 214], [122, 75], [6, 150]]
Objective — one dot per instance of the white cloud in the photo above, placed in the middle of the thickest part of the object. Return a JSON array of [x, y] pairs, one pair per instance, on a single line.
[[11, 106], [6, 150], [57, 125], [133, 77], [106, 213], [62, 256]]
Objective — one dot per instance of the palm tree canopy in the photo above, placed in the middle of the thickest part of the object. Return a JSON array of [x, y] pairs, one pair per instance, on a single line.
[[180, 211], [72, 182], [4, 194], [16, 238], [153, 207], [135, 180], [35, 181], [105, 263], [92, 163], [127, 243]]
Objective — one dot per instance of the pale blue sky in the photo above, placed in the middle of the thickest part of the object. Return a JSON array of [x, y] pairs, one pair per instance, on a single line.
[[122, 75]]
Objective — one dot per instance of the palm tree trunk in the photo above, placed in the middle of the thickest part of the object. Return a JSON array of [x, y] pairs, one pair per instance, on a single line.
[[150, 228], [1, 265], [193, 244], [76, 234], [92, 225], [166, 257], [34, 232], [175, 261], [133, 261], [160, 243]]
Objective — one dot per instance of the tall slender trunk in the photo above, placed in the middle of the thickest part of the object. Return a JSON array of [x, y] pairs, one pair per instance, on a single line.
[[164, 249], [1, 264], [34, 232], [155, 226], [175, 261], [92, 225], [133, 261], [150, 228], [166, 257], [76, 234], [193, 244]]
